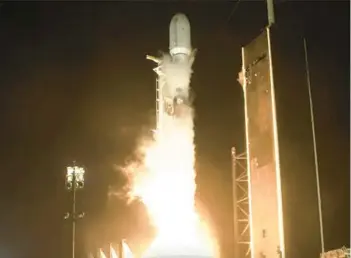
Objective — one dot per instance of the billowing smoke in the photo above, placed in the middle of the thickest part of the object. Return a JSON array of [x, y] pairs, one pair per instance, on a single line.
[[175, 75], [162, 175], [133, 170]]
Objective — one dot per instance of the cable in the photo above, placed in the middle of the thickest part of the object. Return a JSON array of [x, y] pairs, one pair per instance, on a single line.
[[314, 147], [233, 10]]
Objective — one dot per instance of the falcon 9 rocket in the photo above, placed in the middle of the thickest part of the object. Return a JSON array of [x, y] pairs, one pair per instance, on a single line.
[[174, 70]]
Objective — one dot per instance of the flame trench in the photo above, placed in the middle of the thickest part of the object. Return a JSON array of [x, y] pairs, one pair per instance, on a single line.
[[165, 178]]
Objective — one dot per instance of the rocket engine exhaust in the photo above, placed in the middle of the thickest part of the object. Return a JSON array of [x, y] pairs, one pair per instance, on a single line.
[[165, 181], [174, 71]]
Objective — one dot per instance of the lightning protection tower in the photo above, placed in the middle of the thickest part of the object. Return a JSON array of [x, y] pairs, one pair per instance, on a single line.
[[285, 218]]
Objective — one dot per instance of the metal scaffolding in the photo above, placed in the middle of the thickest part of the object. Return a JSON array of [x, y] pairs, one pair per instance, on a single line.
[[242, 247]]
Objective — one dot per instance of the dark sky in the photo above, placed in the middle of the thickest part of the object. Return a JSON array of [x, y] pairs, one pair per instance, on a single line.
[[75, 85]]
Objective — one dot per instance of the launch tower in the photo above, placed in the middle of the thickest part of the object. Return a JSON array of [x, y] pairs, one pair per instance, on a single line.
[[283, 194]]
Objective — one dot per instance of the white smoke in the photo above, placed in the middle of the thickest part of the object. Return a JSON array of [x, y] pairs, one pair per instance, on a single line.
[[162, 173], [176, 75], [134, 170]]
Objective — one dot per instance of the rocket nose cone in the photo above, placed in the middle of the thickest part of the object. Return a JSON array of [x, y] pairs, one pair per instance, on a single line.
[[180, 18], [179, 35]]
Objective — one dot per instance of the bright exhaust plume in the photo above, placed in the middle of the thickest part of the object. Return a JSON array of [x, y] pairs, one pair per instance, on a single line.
[[164, 178], [163, 175]]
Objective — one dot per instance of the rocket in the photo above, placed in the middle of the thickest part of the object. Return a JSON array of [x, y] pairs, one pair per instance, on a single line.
[[180, 39], [173, 97]]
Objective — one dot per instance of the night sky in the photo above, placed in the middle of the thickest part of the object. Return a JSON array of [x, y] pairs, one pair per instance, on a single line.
[[75, 85]]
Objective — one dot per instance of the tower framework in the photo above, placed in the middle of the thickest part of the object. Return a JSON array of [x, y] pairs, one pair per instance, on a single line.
[[241, 200], [281, 161]]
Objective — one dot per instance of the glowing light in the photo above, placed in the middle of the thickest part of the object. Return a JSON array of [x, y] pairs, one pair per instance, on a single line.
[[164, 179], [113, 253], [102, 255], [75, 174]]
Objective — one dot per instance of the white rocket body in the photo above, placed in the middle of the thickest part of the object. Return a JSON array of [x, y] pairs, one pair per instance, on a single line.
[[179, 38], [172, 91]]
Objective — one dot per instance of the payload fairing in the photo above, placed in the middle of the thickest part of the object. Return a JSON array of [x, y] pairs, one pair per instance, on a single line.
[[180, 38], [172, 90]]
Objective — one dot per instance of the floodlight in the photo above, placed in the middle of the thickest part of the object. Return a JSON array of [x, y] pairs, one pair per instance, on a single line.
[[75, 177]]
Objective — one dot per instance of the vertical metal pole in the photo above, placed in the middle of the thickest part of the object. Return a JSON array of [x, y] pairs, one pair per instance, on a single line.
[[157, 105], [314, 146], [74, 186], [120, 249], [270, 10], [74, 181], [235, 210]]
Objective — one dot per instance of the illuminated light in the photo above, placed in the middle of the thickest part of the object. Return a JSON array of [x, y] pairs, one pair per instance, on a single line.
[[69, 174], [276, 149], [75, 175], [79, 174], [126, 252], [113, 253], [102, 254]]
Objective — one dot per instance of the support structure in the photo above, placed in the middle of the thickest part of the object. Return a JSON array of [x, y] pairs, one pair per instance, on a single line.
[[241, 211], [159, 99], [280, 147], [74, 182]]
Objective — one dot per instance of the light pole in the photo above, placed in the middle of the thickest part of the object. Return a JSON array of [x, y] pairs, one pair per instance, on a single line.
[[74, 181]]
